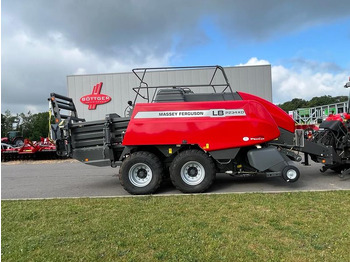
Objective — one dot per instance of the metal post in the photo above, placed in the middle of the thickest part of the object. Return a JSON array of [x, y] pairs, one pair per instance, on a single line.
[[306, 159]]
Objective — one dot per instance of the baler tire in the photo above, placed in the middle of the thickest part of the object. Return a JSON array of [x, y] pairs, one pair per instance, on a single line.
[[192, 171], [141, 173], [290, 174]]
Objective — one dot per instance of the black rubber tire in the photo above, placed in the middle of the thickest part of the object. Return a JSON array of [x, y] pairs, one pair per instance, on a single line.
[[290, 174], [149, 164], [200, 163], [18, 141]]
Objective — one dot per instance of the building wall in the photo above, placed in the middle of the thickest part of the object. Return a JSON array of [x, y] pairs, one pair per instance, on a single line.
[[250, 79]]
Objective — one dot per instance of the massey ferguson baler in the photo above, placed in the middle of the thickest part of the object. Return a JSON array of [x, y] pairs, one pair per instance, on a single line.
[[190, 132]]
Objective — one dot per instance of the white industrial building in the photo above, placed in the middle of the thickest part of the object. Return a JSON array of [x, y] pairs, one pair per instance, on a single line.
[[117, 87]]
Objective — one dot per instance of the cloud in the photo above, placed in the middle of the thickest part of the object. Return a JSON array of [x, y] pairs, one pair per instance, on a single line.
[[34, 68], [125, 30], [116, 27], [255, 61], [306, 84], [44, 41], [305, 79]]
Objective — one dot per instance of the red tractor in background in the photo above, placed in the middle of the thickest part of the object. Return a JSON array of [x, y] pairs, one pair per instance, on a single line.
[[13, 138]]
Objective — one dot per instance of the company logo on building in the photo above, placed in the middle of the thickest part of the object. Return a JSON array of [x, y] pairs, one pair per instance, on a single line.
[[95, 98]]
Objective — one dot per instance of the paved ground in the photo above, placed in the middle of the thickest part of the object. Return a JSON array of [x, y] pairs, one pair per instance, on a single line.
[[51, 179]]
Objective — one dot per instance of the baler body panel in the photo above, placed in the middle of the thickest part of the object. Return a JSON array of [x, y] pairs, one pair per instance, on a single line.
[[211, 125], [283, 120]]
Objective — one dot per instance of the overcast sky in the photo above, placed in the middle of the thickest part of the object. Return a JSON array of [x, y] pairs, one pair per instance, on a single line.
[[307, 42]]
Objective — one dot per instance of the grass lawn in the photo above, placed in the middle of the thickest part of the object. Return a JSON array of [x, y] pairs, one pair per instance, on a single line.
[[235, 227]]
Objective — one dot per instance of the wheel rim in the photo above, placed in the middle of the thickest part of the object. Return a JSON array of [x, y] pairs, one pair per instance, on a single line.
[[291, 174], [192, 173], [140, 175]]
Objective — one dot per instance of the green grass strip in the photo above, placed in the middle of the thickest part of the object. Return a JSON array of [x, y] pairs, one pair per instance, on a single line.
[[235, 227]]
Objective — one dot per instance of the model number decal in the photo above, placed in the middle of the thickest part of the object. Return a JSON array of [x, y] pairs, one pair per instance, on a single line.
[[227, 112], [192, 113]]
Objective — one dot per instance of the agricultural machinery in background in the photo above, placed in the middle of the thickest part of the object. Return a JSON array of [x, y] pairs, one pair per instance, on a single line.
[[334, 132], [13, 138], [43, 149], [15, 147]]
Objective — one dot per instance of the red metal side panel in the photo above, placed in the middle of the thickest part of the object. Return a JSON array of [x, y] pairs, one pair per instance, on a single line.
[[282, 119], [211, 125]]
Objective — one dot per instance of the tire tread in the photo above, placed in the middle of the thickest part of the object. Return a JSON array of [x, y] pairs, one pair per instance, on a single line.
[[158, 168], [176, 163]]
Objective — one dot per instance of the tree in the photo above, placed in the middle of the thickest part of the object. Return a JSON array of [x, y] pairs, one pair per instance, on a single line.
[[293, 105], [7, 121], [40, 125], [315, 101], [26, 125], [318, 101], [34, 126], [325, 100]]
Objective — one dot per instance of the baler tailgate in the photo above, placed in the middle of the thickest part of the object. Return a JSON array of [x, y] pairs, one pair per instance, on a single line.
[[98, 142]]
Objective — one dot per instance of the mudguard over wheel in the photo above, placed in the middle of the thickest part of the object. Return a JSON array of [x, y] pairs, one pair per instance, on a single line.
[[141, 173], [192, 171]]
